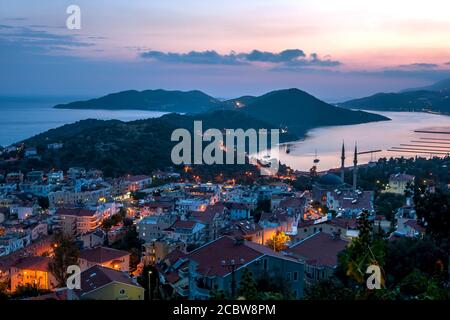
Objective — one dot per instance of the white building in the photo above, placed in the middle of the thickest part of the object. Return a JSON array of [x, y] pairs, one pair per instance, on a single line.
[[192, 204]]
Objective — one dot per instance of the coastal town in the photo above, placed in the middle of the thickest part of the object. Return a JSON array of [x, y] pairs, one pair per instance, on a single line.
[[171, 235]]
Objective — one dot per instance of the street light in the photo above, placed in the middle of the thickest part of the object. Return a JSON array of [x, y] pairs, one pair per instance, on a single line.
[[232, 265], [150, 295]]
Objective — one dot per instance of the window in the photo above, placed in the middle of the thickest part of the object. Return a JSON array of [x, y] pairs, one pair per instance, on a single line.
[[295, 275], [288, 276], [122, 291], [265, 264]]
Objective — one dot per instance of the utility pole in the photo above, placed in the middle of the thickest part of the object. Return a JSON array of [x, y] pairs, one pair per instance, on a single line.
[[232, 265]]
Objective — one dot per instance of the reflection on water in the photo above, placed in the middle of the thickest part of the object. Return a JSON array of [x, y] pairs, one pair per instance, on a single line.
[[385, 135], [19, 121]]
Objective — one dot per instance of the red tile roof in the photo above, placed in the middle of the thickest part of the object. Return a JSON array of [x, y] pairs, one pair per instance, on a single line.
[[401, 177], [97, 276], [354, 201], [172, 277], [75, 212], [275, 216], [184, 224], [60, 294], [209, 214], [292, 202], [33, 263], [216, 208], [246, 227], [413, 224], [238, 206], [174, 256], [156, 205], [36, 248], [210, 257], [136, 178], [102, 254], [348, 223], [320, 249]]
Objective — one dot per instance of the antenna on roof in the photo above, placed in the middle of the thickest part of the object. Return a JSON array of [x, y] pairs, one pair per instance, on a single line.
[[316, 159]]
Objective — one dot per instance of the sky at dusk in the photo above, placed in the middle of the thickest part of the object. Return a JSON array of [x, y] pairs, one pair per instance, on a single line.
[[332, 49]]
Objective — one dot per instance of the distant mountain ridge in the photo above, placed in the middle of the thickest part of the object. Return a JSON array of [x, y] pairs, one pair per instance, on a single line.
[[299, 111], [433, 98], [443, 85], [292, 109], [155, 100]]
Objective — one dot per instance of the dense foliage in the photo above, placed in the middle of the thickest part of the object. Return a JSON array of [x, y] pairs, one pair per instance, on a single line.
[[137, 147], [412, 268], [66, 253]]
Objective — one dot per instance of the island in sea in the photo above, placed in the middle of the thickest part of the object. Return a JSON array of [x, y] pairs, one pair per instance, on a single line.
[[434, 99], [291, 109]]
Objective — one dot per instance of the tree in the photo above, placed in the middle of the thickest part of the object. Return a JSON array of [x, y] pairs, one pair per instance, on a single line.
[[320, 207], [149, 273], [407, 255], [131, 243], [361, 253], [28, 290], [217, 294], [247, 286], [272, 296], [114, 220], [263, 205], [271, 286], [3, 290], [43, 202], [278, 241], [433, 212], [302, 183], [66, 253], [414, 284], [123, 212], [387, 203], [330, 289], [137, 195]]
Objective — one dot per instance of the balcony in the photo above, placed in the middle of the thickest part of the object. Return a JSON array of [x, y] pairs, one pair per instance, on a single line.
[[200, 293], [183, 291], [184, 272]]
